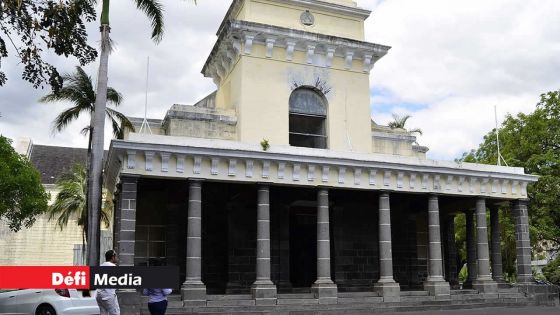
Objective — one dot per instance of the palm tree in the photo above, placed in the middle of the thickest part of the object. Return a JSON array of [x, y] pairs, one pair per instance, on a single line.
[[78, 89], [154, 10], [70, 201], [399, 122]]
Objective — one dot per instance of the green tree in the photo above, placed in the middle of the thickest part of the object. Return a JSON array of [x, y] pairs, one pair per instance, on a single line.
[[399, 122], [36, 28], [78, 90], [70, 202], [530, 141], [22, 196], [552, 271]]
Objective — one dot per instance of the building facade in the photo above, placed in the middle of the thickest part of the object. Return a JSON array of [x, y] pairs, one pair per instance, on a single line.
[[45, 243], [279, 182]]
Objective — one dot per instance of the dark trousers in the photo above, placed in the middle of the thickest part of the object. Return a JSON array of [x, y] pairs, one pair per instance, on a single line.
[[158, 308]]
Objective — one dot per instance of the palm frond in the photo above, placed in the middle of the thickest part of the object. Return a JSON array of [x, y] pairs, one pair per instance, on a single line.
[[120, 123], [70, 203], [66, 117], [399, 122], [154, 10], [416, 130], [114, 97]]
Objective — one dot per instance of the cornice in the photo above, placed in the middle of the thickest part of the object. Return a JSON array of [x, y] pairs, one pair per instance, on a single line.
[[238, 162], [238, 38]]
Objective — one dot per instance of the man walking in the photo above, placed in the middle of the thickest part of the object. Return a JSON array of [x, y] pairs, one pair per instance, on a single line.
[[107, 298]]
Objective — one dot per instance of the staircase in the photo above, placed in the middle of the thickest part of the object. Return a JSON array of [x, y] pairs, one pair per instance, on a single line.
[[352, 303]]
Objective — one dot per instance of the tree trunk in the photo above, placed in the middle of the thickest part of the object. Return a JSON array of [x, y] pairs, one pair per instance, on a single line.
[[95, 180]]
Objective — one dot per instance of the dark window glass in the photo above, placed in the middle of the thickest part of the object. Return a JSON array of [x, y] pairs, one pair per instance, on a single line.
[[308, 112]]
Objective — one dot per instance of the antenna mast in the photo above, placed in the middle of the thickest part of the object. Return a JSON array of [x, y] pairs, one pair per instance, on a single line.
[[500, 157], [145, 125]]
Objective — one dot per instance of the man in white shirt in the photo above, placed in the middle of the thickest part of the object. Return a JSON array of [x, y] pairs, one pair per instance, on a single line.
[[107, 298]]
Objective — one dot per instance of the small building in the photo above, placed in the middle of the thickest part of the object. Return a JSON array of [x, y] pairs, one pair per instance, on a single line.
[[279, 182], [45, 243]]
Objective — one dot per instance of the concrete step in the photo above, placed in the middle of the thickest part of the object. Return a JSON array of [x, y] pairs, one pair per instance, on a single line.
[[356, 294], [360, 300], [219, 297], [516, 295], [296, 301], [417, 298], [508, 290], [296, 296], [230, 303], [461, 297], [414, 293], [465, 291]]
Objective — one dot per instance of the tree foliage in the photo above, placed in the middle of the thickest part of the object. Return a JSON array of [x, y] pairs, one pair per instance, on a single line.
[[22, 196], [532, 141], [31, 29], [78, 89], [70, 202], [552, 271]]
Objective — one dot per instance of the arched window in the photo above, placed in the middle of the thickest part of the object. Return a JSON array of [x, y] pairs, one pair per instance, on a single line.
[[308, 115]]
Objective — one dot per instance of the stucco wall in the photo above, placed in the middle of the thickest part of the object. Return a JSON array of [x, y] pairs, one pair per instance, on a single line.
[[280, 13], [41, 244]]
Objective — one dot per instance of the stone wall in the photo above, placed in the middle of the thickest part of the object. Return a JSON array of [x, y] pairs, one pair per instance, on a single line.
[[200, 122], [356, 250]]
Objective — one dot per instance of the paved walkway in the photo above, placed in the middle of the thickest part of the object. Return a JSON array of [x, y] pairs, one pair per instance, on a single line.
[[536, 310]]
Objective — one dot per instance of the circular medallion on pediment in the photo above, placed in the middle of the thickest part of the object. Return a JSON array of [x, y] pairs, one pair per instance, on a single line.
[[307, 18]]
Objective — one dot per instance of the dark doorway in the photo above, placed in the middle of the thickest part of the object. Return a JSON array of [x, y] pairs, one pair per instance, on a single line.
[[303, 246]]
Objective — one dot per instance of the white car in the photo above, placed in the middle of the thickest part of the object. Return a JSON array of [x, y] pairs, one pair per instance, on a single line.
[[48, 302]]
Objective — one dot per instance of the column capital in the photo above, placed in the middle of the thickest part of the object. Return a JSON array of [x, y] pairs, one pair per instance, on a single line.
[[521, 202], [128, 178], [196, 179]]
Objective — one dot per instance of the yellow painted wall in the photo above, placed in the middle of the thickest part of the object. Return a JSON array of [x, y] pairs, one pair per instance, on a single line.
[[279, 13], [43, 244], [259, 89]]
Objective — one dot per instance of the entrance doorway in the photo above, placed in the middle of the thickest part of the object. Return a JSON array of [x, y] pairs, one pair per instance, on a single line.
[[303, 246]]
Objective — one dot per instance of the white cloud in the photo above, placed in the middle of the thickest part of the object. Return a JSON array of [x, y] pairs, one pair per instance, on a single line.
[[461, 58], [458, 58]]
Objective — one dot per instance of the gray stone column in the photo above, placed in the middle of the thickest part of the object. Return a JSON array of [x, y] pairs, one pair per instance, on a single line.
[[263, 290], [497, 271], [471, 249], [435, 284], [193, 291], [324, 288], [129, 300], [117, 205], [483, 282], [523, 242], [452, 273], [386, 286]]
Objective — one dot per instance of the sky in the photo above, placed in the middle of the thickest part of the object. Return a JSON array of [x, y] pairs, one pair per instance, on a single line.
[[451, 62]]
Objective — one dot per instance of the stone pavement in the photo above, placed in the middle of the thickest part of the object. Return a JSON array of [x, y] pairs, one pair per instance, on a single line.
[[533, 310]]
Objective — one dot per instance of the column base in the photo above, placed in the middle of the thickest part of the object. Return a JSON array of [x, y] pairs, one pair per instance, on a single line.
[[264, 292], [130, 302], [468, 284], [193, 294], [485, 286], [325, 291], [454, 284], [390, 291], [438, 288]]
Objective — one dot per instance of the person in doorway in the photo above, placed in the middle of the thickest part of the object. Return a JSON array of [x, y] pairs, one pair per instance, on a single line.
[[157, 301], [107, 298]]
